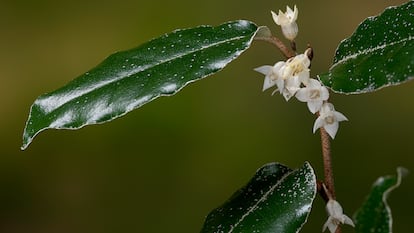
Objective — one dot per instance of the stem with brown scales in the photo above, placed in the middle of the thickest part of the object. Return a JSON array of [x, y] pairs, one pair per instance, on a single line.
[[327, 163], [279, 44], [327, 169]]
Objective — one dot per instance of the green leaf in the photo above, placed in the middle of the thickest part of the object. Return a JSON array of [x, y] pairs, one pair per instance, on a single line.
[[129, 79], [375, 214], [277, 199], [379, 53]]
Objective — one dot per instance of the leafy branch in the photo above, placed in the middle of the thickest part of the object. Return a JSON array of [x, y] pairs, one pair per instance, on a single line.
[[379, 53]]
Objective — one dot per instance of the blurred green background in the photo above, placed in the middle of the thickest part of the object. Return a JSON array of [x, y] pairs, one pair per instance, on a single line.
[[163, 167]]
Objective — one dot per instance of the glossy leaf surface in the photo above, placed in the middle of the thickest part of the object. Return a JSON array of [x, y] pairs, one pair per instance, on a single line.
[[379, 53], [277, 199], [127, 80], [375, 214]]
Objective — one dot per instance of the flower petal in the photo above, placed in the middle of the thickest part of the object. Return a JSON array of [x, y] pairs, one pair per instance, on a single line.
[[289, 11], [280, 83], [292, 85], [340, 117], [280, 19], [315, 105], [286, 94], [334, 209], [278, 66], [295, 13], [319, 122], [326, 109], [275, 17], [283, 19], [304, 77], [313, 83], [327, 223], [303, 94], [268, 83], [266, 69], [331, 129], [330, 224], [324, 93], [286, 71], [332, 227], [348, 221]]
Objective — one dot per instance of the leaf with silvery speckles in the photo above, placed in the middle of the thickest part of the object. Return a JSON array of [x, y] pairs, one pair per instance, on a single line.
[[375, 213], [129, 79], [276, 199], [379, 53]]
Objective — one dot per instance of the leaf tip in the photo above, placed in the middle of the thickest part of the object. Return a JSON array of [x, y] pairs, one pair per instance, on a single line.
[[27, 139], [29, 132], [24, 146], [402, 172]]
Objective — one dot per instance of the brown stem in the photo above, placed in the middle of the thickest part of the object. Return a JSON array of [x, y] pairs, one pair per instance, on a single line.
[[327, 163], [293, 45], [279, 44], [328, 172], [321, 188]]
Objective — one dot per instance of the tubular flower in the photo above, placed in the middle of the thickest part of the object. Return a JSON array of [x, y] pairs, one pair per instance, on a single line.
[[336, 216], [313, 94], [272, 76], [329, 119], [288, 22]]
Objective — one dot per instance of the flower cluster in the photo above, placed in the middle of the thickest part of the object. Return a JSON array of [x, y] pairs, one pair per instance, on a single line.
[[292, 78]]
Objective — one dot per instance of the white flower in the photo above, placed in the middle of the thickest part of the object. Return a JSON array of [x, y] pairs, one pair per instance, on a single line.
[[328, 119], [314, 94], [292, 85], [287, 76], [271, 75], [295, 72], [288, 22], [297, 66], [336, 216]]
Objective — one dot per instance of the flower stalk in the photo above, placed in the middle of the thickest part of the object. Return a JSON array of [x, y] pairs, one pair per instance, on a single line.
[[327, 164], [286, 52]]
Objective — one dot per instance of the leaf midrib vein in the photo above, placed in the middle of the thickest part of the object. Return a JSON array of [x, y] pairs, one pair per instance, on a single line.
[[369, 50], [121, 77]]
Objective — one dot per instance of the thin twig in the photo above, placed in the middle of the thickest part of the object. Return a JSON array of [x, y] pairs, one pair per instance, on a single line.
[[327, 163], [279, 44]]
